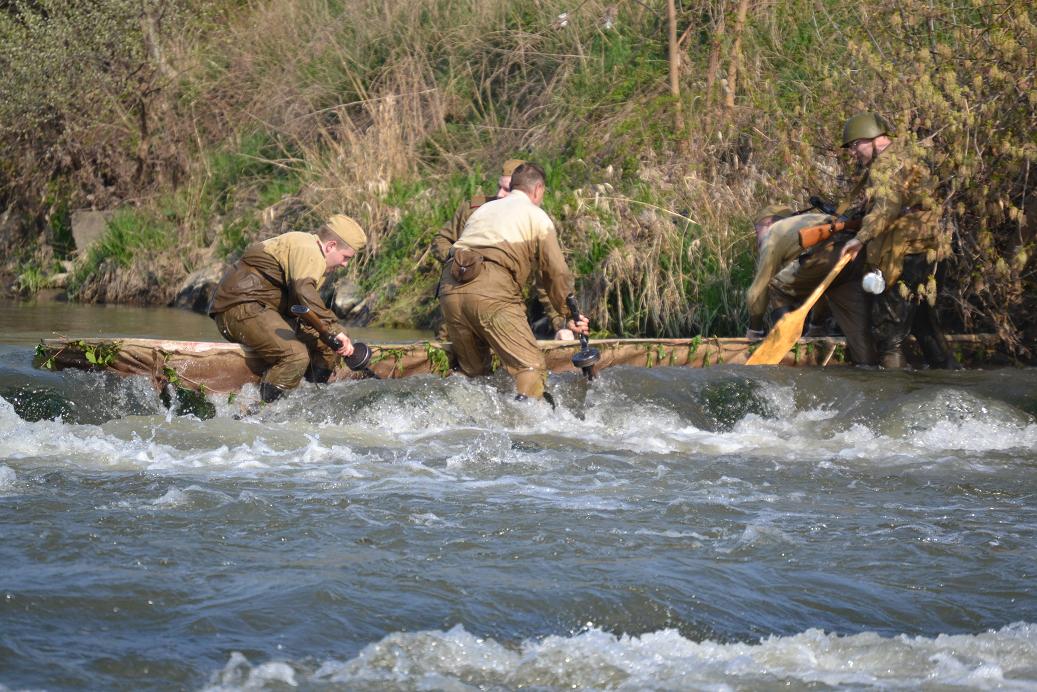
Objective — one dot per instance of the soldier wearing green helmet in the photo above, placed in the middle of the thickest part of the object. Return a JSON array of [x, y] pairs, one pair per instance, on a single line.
[[902, 237], [865, 125]]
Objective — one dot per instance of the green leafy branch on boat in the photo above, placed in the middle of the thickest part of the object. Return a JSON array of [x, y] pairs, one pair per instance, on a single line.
[[439, 361], [99, 355]]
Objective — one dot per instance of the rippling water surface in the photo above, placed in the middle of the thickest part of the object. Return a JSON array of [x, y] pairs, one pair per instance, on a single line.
[[727, 528]]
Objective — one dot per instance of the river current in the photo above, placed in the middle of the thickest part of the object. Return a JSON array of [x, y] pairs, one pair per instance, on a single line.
[[726, 528]]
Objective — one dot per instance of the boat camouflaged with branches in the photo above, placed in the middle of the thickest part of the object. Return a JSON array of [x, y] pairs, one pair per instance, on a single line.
[[225, 367]]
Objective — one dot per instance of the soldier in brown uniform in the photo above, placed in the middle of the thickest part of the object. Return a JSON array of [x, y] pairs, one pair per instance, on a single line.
[[901, 233], [448, 235], [786, 274], [252, 303], [504, 242]]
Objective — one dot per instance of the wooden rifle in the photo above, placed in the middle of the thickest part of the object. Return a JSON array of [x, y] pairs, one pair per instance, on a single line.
[[813, 235]]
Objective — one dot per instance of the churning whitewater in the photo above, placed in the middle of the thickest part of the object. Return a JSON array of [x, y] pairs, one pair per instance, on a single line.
[[664, 528]]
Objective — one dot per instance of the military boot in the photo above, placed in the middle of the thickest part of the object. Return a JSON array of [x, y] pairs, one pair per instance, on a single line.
[[269, 393], [318, 374], [893, 360]]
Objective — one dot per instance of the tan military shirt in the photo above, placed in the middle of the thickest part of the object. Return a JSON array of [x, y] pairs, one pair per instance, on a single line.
[[279, 272], [901, 214], [780, 246], [448, 235], [516, 238]]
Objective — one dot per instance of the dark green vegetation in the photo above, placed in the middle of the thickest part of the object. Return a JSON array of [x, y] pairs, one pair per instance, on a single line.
[[210, 124]]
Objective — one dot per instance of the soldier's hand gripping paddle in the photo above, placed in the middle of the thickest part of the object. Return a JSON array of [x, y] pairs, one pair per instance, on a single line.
[[790, 327], [361, 357], [586, 357]]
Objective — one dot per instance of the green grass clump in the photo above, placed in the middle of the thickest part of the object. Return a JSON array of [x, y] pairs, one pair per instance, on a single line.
[[129, 232]]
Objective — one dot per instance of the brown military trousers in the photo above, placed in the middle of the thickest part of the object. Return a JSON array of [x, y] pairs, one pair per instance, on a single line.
[[288, 350], [849, 304], [478, 326]]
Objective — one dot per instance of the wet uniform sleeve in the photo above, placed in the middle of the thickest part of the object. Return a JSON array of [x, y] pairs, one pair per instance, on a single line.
[[555, 278], [448, 234]]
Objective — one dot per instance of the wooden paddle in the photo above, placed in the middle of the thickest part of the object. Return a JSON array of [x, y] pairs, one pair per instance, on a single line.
[[790, 327]]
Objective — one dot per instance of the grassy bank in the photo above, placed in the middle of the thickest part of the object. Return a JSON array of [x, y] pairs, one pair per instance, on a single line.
[[238, 121]]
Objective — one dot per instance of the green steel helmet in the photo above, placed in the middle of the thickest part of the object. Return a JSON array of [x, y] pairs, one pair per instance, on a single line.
[[866, 125]]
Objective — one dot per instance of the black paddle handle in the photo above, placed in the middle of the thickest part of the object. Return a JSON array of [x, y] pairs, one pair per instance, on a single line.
[[304, 313], [574, 312]]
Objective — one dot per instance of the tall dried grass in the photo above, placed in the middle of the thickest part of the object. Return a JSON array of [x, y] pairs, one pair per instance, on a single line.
[[393, 111]]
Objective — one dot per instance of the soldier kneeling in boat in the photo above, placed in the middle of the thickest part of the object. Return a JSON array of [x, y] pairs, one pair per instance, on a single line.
[[252, 303], [786, 274], [503, 243]]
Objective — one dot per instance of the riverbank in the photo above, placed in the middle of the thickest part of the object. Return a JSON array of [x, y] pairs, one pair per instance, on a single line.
[[657, 155]]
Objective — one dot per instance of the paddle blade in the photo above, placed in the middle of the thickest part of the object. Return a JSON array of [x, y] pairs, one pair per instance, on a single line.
[[780, 339], [790, 327]]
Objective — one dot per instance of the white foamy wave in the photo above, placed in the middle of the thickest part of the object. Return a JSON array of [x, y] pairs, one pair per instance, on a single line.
[[91, 446], [798, 438], [239, 674], [1004, 659], [7, 478], [7, 414], [472, 426], [945, 437], [951, 422]]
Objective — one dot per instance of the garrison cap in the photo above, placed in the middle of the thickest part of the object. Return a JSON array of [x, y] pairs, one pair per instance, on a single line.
[[509, 166], [348, 231]]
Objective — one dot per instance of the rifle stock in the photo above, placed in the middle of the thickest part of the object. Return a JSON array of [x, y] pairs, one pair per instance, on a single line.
[[812, 235], [315, 323]]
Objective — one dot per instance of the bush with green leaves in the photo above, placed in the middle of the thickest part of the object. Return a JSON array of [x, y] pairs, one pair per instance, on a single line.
[[89, 95]]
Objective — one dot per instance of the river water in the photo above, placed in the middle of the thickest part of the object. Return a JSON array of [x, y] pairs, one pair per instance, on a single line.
[[723, 529]]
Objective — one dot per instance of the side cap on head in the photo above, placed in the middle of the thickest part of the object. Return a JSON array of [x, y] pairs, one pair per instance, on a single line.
[[348, 230], [866, 125], [509, 166]]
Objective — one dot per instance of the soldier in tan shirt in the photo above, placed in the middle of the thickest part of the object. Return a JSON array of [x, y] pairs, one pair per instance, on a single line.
[[786, 274], [252, 304], [448, 235], [508, 240]]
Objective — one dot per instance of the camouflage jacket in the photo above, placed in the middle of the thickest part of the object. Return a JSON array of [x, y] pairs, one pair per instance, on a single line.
[[901, 215]]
